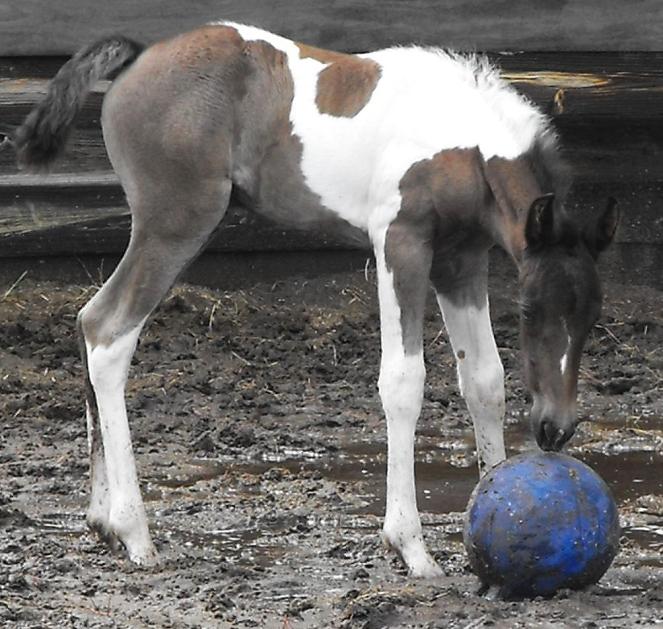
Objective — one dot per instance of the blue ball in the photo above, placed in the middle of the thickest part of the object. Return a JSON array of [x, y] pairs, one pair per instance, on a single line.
[[538, 522]]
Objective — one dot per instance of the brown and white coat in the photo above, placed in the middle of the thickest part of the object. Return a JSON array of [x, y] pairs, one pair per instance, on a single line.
[[425, 156]]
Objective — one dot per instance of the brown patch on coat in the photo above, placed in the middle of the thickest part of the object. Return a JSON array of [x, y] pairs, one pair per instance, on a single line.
[[268, 154], [457, 205], [346, 86], [442, 232], [464, 225], [408, 251]]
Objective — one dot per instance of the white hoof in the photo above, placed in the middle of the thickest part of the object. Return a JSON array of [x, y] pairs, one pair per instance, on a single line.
[[419, 563], [137, 542], [146, 556], [424, 568], [133, 537]]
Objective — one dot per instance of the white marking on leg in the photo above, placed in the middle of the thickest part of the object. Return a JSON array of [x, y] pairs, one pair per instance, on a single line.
[[401, 386], [480, 375], [99, 506], [108, 367], [565, 358]]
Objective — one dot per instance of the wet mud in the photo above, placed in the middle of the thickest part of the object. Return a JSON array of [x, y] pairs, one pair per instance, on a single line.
[[261, 450]]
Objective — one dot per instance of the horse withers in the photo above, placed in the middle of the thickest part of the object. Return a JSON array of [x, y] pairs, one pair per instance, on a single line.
[[426, 156]]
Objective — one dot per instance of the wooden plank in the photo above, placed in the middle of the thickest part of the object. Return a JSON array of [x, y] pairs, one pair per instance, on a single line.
[[613, 149], [69, 216], [607, 84], [611, 110], [622, 85], [80, 220], [35, 27], [80, 230], [607, 149], [610, 123], [52, 179]]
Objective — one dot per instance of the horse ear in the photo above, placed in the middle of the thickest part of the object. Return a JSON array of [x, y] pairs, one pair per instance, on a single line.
[[540, 228], [606, 226]]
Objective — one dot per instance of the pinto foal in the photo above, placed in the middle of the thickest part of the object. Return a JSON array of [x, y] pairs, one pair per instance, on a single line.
[[426, 156]]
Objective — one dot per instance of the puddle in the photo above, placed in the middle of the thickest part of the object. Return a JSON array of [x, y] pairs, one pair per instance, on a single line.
[[628, 474], [249, 546], [631, 475], [441, 488], [187, 474]]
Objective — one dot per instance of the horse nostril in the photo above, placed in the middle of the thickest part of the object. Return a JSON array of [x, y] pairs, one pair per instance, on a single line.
[[561, 438], [549, 437]]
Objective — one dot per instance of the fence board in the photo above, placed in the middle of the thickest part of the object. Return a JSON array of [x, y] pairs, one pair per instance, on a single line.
[[610, 121], [35, 27]]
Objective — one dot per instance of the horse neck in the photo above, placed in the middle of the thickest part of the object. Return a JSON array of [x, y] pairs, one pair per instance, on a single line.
[[515, 186]]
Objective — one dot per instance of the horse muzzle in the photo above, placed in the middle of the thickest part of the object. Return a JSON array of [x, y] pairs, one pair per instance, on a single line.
[[550, 436], [552, 429]]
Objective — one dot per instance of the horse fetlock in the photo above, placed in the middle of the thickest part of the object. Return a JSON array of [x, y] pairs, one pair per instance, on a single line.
[[97, 524], [99, 507]]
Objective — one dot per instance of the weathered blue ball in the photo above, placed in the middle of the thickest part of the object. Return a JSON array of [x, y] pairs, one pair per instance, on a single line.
[[539, 522]]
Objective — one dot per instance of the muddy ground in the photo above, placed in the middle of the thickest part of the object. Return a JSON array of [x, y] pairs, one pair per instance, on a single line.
[[260, 445]]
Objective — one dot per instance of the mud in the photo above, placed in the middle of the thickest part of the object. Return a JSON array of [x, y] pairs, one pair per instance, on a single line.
[[261, 449]]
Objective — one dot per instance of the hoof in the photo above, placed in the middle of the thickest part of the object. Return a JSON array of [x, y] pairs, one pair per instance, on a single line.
[[419, 563], [140, 550], [427, 570], [144, 557]]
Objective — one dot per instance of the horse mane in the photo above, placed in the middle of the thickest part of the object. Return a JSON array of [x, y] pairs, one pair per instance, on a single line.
[[553, 174]]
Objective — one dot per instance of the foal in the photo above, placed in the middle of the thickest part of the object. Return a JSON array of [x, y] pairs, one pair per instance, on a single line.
[[426, 156]]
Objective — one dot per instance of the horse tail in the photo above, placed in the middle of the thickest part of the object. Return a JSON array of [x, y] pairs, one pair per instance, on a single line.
[[44, 133]]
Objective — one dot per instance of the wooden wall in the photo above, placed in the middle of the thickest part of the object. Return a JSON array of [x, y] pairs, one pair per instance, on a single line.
[[592, 64], [58, 27]]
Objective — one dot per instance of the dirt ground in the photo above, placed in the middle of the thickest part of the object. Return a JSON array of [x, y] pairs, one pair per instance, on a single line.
[[261, 448]]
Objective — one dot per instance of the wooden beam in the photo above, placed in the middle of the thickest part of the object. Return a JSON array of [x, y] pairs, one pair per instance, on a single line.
[[86, 225], [607, 107], [617, 85], [611, 100], [35, 27]]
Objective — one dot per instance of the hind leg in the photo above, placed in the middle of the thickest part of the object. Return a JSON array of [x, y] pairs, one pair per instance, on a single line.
[[97, 513], [164, 240]]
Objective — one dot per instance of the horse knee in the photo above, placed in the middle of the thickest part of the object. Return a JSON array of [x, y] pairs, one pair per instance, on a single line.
[[401, 386], [482, 386]]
